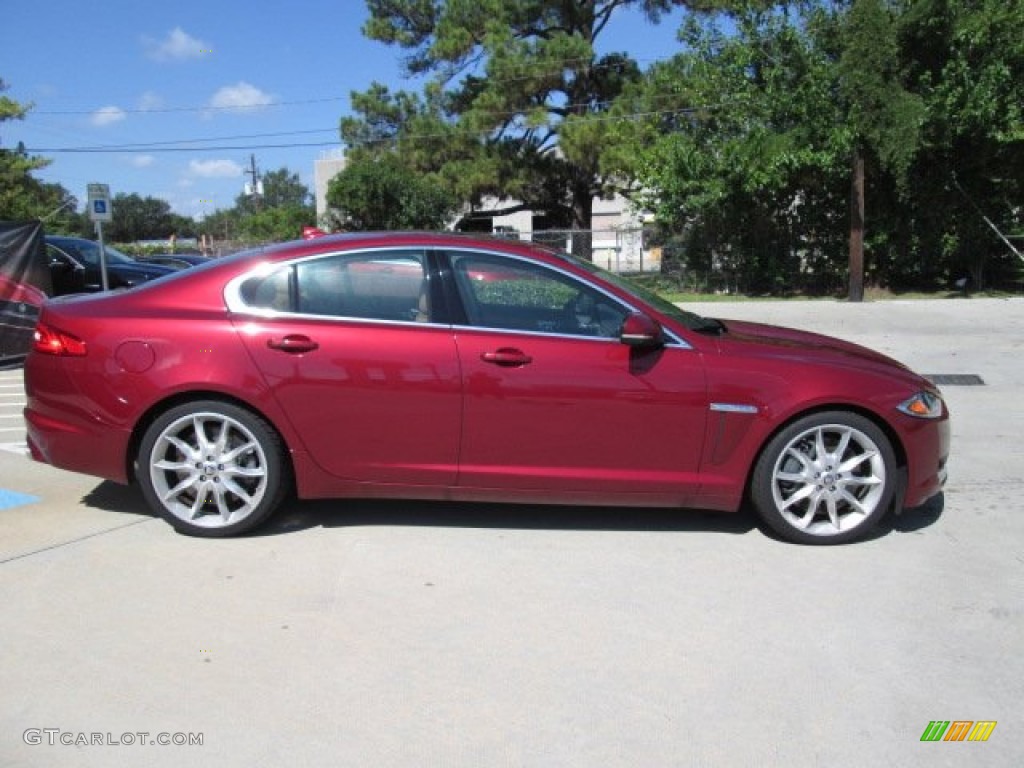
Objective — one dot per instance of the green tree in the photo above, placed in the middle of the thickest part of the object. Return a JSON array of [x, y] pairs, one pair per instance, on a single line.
[[22, 196], [740, 147], [222, 224], [966, 60], [381, 193], [143, 218], [510, 108], [756, 123], [280, 188], [885, 118], [283, 222], [279, 213]]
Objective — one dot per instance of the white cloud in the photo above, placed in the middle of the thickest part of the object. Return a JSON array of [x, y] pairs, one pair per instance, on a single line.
[[215, 169], [178, 45], [107, 116], [149, 101], [143, 161], [241, 96]]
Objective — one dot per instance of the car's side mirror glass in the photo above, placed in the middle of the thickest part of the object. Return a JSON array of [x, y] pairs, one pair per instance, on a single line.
[[640, 330]]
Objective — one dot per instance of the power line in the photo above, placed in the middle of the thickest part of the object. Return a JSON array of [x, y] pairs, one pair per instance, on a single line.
[[206, 108], [143, 145], [167, 145], [563, 63], [173, 146], [213, 148]]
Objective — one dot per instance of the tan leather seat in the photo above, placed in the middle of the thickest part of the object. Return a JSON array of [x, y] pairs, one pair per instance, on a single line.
[[423, 307]]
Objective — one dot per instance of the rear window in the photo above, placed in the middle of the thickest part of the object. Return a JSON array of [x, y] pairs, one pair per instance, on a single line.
[[378, 285]]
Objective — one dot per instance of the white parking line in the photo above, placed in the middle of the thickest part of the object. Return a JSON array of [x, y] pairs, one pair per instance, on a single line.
[[19, 448]]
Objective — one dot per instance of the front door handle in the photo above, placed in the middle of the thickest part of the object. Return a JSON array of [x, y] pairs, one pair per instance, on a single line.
[[507, 357], [293, 344]]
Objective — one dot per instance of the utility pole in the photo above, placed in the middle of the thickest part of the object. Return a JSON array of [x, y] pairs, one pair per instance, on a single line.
[[254, 188], [857, 228]]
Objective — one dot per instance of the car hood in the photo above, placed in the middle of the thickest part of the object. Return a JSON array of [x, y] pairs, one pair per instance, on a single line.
[[139, 272], [192, 259], [789, 343]]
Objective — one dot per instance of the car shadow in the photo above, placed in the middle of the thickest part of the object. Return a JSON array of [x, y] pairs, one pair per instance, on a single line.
[[911, 520], [916, 518], [345, 513], [297, 515], [113, 497]]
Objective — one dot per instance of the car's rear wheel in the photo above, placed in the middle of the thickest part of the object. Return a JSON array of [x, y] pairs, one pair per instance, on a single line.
[[212, 468], [827, 478]]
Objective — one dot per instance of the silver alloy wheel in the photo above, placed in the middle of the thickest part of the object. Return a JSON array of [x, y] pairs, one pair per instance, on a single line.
[[208, 470], [828, 479]]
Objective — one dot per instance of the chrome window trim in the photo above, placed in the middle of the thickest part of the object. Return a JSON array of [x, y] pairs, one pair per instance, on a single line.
[[236, 306], [541, 334], [672, 339]]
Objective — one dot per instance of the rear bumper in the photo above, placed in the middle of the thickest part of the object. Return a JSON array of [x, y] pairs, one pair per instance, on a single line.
[[91, 450], [68, 430]]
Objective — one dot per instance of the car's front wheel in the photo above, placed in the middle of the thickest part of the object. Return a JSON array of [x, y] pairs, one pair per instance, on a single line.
[[212, 468], [827, 478]]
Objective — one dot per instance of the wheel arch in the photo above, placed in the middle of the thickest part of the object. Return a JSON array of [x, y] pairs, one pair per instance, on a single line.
[[873, 416], [161, 407]]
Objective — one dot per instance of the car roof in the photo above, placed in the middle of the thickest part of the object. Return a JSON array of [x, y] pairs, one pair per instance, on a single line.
[[68, 239], [410, 238]]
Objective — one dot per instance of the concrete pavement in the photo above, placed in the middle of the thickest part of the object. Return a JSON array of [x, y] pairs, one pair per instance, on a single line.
[[413, 634]]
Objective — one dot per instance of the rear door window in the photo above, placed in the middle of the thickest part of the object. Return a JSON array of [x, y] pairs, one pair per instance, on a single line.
[[377, 285]]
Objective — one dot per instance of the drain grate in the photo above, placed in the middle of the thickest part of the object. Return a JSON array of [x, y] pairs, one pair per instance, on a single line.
[[956, 379]]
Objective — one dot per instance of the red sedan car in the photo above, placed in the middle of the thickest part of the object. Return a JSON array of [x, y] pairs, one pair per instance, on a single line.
[[19, 309], [435, 366]]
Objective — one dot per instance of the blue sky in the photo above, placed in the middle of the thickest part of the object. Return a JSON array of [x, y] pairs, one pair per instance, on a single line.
[[217, 77]]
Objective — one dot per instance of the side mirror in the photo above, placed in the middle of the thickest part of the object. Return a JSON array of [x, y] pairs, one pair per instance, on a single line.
[[641, 331]]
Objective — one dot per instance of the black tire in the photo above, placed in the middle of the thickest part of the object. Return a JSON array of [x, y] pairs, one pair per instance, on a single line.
[[212, 469], [827, 478]]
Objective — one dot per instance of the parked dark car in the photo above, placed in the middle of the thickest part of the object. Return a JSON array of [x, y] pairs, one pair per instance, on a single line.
[[75, 266], [434, 366], [174, 260]]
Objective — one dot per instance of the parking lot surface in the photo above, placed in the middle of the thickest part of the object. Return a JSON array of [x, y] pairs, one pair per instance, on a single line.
[[419, 634]]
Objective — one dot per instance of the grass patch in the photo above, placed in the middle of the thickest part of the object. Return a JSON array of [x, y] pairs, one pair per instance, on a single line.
[[671, 290]]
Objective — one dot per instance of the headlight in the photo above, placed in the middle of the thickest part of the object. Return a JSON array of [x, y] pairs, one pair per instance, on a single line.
[[923, 405]]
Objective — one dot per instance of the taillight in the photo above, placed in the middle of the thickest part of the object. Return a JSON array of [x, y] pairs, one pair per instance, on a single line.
[[50, 341]]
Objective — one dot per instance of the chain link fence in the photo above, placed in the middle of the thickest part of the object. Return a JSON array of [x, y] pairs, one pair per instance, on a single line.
[[617, 250]]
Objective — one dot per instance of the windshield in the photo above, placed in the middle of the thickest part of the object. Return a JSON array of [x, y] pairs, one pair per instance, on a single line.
[[689, 319], [88, 252], [114, 256]]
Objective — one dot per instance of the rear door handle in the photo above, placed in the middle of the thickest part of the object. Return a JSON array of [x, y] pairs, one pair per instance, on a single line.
[[293, 344], [507, 357]]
